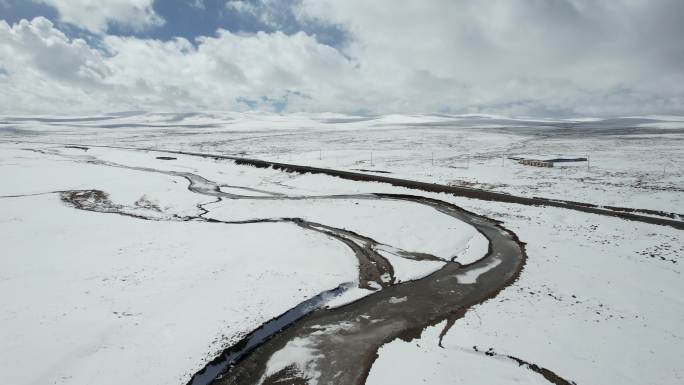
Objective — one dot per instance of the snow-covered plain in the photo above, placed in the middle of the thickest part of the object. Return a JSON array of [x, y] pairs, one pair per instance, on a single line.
[[633, 161], [118, 299], [597, 303], [112, 299], [99, 298]]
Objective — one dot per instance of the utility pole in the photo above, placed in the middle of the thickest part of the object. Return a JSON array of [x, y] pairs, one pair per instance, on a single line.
[[320, 154], [588, 163], [371, 158], [433, 158]]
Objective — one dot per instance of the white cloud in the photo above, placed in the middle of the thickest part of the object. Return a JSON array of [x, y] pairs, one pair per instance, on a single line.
[[575, 55], [241, 6], [50, 73], [46, 70], [197, 4], [516, 57], [96, 15], [271, 13]]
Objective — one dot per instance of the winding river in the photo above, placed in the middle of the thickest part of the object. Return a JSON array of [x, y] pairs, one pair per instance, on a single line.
[[342, 343]]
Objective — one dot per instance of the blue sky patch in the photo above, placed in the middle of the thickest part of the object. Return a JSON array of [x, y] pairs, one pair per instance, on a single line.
[[190, 20]]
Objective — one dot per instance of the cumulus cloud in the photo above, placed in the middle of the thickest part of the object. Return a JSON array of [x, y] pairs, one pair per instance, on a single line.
[[551, 57], [275, 14], [241, 6], [96, 15], [573, 55], [49, 72], [44, 69]]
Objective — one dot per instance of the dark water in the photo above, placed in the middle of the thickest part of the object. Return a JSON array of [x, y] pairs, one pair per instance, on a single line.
[[257, 337]]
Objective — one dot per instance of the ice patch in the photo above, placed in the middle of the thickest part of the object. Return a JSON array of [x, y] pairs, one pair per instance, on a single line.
[[348, 296], [470, 276], [475, 249], [298, 354], [407, 269]]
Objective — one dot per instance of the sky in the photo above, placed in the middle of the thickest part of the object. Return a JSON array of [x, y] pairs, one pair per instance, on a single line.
[[551, 58]]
